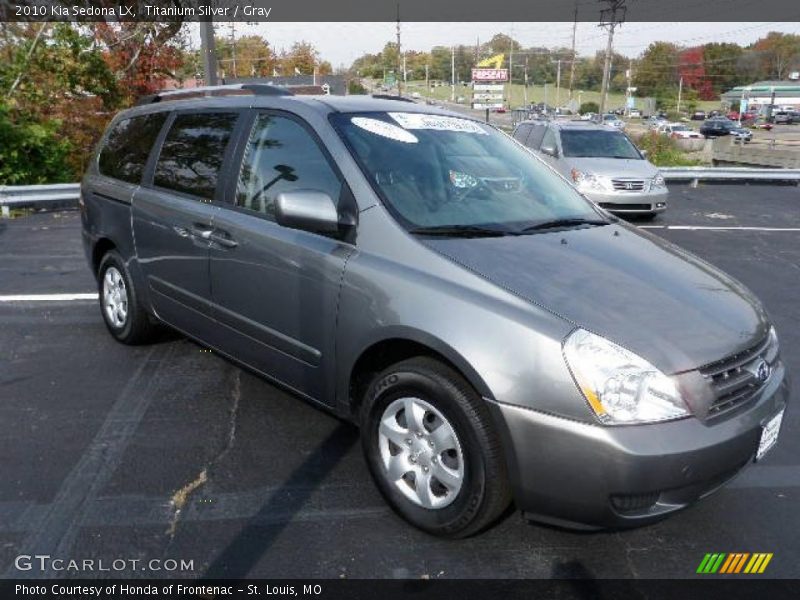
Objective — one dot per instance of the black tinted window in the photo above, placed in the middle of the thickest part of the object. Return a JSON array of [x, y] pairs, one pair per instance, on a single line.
[[128, 145], [282, 156], [192, 154]]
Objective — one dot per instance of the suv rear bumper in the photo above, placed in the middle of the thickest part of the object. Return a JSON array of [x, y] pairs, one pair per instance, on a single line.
[[589, 476]]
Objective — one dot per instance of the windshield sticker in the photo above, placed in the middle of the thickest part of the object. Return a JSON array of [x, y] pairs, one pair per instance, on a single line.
[[384, 129], [437, 122]]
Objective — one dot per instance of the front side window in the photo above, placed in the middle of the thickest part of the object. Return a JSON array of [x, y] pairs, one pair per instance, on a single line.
[[192, 154], [595, 143], [437, 171], [282, 156], [128, 145]]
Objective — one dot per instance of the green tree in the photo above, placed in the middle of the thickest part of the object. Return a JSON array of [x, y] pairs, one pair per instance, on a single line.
[[656, 71], [778, 53]]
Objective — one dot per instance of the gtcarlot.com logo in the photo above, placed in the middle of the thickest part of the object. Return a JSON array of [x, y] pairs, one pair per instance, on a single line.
[[734, 563]]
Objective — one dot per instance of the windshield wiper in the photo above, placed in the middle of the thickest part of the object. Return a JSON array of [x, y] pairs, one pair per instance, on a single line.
[[460, 231], [559, 223]]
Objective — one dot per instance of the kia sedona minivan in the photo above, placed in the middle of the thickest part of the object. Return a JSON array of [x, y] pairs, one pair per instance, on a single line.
[[496, 336]]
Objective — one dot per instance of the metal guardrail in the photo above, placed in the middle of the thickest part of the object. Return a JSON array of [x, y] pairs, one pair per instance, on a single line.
[[696, 174], [24, 196]]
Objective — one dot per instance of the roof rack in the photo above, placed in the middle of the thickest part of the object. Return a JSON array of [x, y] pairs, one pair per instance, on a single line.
[[391, 97], [238, 89]]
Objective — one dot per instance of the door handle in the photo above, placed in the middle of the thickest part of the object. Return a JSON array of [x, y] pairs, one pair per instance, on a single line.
[[204, 234], [223, 241]]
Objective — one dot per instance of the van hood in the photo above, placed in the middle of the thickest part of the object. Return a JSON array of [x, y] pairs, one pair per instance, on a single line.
[[643, 293], [613, 167]]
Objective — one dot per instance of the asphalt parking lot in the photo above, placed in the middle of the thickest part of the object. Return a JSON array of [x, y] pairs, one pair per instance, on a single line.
[[169, 451]]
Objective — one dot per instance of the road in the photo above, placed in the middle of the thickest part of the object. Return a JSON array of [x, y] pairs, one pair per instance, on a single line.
[[169, 451]]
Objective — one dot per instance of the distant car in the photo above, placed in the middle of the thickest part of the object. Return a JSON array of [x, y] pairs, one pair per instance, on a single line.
[[635, 113], [782, 117], [678, 131], [698, 115], [714, 128], [601, 162], [610, 120], [655, 122]]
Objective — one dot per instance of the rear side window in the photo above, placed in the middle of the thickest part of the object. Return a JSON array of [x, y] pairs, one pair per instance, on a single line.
[[282, 156], [521, 133], [192, 154], [535, 138], [128, 145]]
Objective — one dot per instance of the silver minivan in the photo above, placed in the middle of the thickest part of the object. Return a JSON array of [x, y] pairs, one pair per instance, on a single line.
[[496, 336], [601, 162]]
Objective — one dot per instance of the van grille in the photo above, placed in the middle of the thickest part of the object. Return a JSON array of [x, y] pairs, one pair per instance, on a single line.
[[628, 185], [733, 379]]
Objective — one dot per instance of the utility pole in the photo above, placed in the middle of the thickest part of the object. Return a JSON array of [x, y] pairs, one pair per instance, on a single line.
[[399, 50], [628, 93], [558, 84], [209, 52], [609, 18], [680, 93], [572, 61], [233, 47], [427, 84], [452, 74], [525, 89], [511, 66]]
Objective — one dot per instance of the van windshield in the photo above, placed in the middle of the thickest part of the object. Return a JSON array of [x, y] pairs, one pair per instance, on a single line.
[[457, 174], [597, 143]]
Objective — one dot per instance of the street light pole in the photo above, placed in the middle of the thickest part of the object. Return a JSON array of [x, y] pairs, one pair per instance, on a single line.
[[209, 52]]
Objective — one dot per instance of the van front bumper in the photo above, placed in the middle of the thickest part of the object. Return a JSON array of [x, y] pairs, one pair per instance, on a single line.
[[590, 476], [633, 203]]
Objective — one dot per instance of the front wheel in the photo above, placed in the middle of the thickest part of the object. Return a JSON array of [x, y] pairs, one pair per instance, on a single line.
[[431, 449]]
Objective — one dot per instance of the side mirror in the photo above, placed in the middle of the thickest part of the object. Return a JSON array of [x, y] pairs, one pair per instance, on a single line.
[[644, 153], [309, 210], [549, 150]]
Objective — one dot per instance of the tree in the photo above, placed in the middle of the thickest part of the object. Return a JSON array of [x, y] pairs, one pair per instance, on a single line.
[[779, 53], [301, 59], [720, 62], [657, 69], [250, 56], [142, 56]]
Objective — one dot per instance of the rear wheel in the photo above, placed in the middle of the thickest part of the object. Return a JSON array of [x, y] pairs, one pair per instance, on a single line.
[[124, 317], [431, 449]]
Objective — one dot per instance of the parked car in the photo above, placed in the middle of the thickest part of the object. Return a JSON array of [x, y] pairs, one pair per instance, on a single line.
[[419, 273], [719, 127], [781, 117], [698, 115], [678, 131], [635, 113], [655, 122], [610, 120], [602, 163]]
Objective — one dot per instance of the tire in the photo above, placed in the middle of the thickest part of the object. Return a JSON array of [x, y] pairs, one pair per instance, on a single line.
[[649, 216], [451, 507], [123, 315]]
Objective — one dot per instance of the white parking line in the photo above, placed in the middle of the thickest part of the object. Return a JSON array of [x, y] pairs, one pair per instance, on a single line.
[[47, 297], [717, 228]]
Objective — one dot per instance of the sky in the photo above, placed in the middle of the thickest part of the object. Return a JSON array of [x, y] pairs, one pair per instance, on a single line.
[[342, 43]]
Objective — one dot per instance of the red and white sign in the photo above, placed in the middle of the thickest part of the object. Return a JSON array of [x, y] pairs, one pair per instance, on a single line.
[[489, 74]]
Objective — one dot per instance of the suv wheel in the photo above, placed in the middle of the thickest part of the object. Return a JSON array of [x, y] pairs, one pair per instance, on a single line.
[[430, 447], [126, 320]]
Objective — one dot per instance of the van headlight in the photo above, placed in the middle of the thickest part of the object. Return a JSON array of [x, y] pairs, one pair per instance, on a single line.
[[658, 181], [620, 387], [587, 182]]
